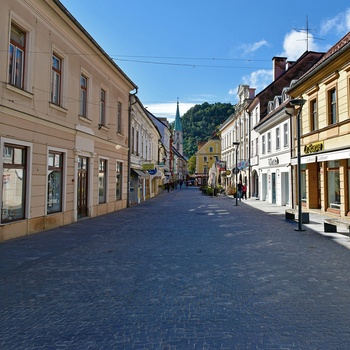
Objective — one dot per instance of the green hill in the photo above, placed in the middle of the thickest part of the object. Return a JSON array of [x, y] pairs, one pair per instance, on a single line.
[[202, 122]]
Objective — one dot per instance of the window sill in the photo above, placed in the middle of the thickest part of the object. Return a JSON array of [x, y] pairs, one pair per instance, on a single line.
[[58, 108], [85, 119], [20, 91]]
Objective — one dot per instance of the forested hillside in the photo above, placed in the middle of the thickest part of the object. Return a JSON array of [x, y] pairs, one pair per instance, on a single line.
[[201, 122]]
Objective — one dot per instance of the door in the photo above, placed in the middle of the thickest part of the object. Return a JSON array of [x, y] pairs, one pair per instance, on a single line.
[[274, 188], [82, 191]]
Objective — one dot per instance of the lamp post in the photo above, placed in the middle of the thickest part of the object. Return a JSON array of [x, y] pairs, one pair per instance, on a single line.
[[299, 102], [236, 169]]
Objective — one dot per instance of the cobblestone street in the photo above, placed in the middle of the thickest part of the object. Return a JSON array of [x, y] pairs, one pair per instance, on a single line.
[[180, 271]]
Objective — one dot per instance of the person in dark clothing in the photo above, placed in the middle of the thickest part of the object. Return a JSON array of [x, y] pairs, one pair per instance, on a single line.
[[239, 190]]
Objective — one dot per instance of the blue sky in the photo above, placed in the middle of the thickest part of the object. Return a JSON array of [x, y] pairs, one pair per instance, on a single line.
[[202, 50]]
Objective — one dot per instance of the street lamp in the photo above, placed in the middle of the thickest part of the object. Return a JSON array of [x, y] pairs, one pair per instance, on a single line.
[[236, 169], [299, 102]]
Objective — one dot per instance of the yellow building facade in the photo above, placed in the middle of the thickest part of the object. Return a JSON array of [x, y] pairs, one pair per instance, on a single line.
[[325, 132], [208, 153]]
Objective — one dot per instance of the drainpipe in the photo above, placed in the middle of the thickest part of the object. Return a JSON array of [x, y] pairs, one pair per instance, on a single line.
[[132, 101]]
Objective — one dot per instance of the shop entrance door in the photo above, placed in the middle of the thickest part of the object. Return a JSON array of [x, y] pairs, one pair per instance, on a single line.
[[82, 191]]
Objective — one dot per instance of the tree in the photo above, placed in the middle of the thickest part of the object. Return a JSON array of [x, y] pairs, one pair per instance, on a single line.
[[202, 122], [192, 165]]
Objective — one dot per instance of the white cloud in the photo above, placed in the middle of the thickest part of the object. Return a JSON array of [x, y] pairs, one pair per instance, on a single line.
[[340, 23], [258, 79], [168, 109], [296, 43], [249, 48]]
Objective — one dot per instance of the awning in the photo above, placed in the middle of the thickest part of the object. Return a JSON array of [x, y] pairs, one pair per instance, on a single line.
[[140, 173]]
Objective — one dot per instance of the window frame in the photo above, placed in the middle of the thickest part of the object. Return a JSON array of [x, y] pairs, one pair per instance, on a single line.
[[83, 110], [24, 166], [332, 105], [15, 79], [313, 114], [119, 117], [278, 138], [56, 75], [60, 169], [102, 185], [119, 180], [102, 120]]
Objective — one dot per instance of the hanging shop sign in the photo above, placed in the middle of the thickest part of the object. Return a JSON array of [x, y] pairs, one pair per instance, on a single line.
[[148, 166]]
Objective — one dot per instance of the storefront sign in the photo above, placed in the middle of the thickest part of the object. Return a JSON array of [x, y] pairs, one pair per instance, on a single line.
[[313, 147], [152, 171]]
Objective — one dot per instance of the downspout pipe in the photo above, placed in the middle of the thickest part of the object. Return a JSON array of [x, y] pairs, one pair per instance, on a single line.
[[132, 101]]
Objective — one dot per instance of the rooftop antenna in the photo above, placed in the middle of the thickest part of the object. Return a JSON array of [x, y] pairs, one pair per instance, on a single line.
[[307, 32]]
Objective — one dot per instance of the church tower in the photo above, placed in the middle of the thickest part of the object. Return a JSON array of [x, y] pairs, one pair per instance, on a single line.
[[178, 136]]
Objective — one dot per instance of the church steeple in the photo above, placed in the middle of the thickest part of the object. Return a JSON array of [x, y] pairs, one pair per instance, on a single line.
[[178, 136], [178, 124]]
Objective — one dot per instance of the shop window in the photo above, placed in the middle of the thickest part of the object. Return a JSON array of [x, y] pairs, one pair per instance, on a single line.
[[55, 182], [102, 181], [14, 183], [17, 57], [333, 182], [118, 180], [303, 183]]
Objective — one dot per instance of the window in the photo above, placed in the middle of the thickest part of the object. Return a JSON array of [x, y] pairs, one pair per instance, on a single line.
[[269, 142], [211, 150], [333, 182], [17, 56], [332, 106], [83, 96], [102, 181], [285, 135], [102, 107], [13, 183], [263, 151], [56, 75], [119, 118], [137, 142], [55, 182], [118, 180], [278, 138], [313, 115], [132, 140]]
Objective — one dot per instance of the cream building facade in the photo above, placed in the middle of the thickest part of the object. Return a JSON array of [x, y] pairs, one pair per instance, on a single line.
[[64, 115], [325, 132], [145, 141]]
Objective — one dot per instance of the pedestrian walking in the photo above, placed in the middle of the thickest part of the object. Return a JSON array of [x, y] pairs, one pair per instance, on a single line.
[[239, 190], [244, 191]]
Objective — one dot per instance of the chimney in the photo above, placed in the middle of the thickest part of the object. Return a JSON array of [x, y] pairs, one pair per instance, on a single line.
[[279, 66]]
